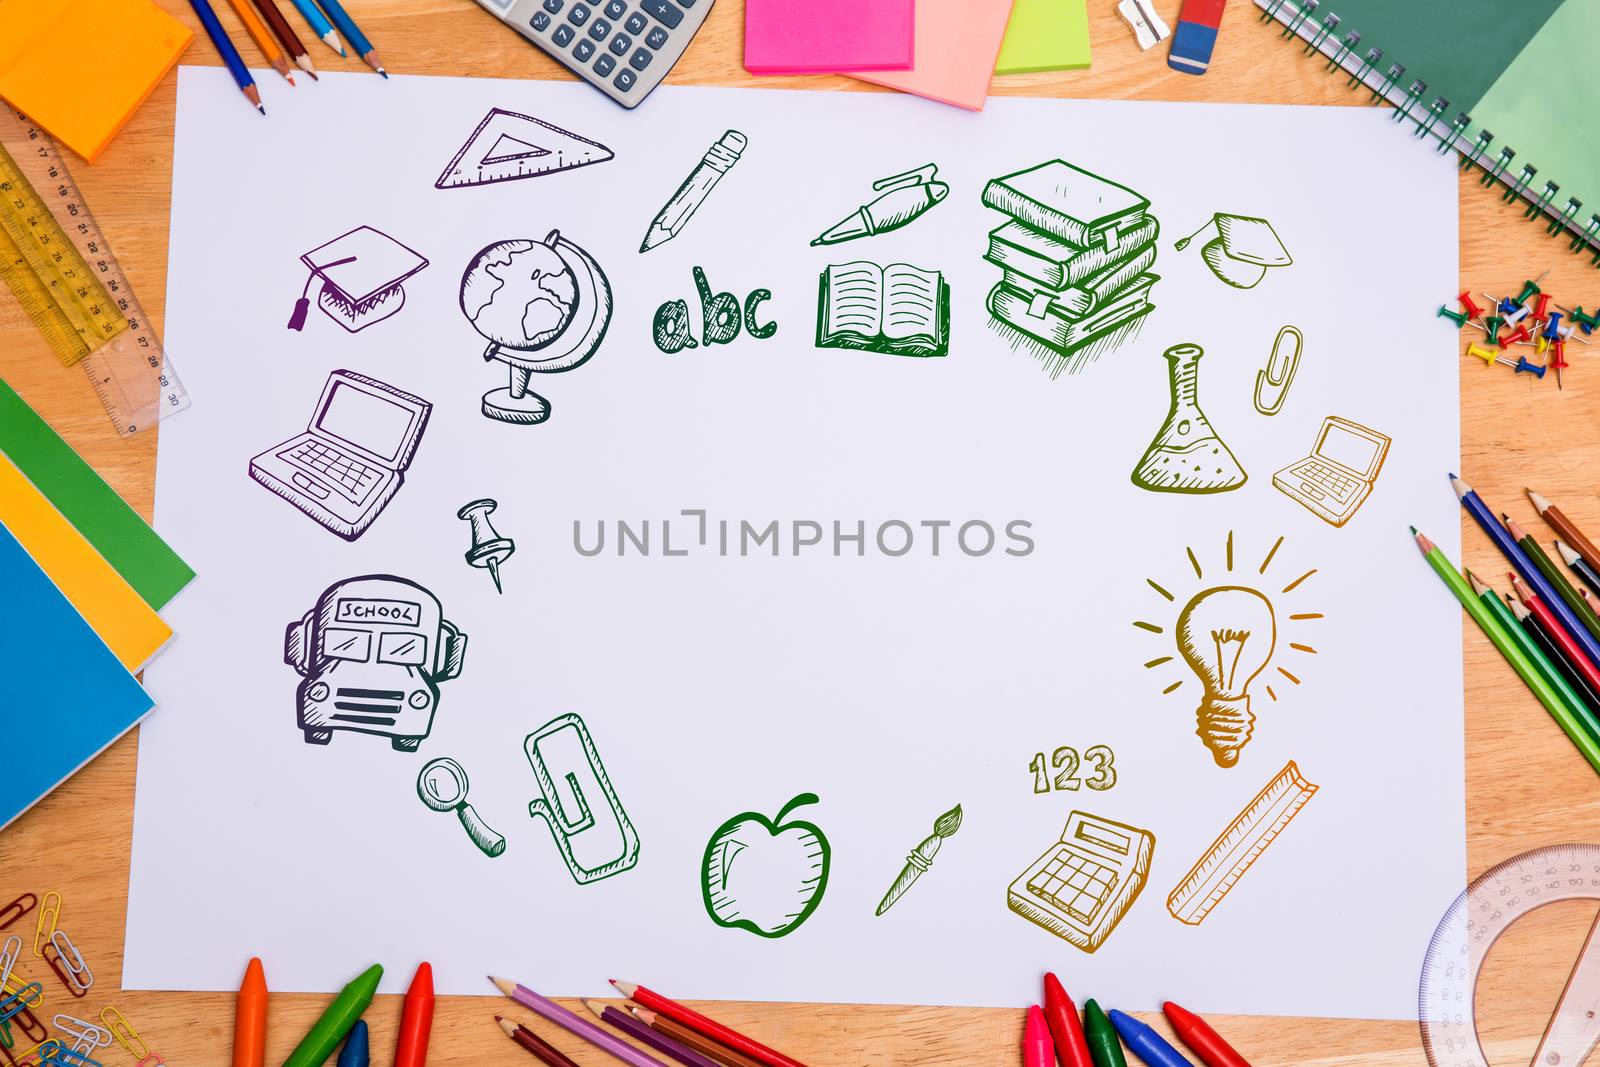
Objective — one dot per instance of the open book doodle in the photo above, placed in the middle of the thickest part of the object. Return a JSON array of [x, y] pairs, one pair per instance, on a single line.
[[899, 309]]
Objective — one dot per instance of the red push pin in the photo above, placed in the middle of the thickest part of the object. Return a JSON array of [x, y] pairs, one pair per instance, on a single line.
[[1467, 305], [1558, 358], [1521, 333], [1540, 305]]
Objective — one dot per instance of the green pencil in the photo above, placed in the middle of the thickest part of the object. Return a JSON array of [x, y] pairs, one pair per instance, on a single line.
[[1570, 724], [1548, 568], [1105, 1047], [336, 1022], [1519, 636]]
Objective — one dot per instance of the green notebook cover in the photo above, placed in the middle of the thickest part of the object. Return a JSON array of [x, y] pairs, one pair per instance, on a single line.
[[105, 520], [1045, 35]]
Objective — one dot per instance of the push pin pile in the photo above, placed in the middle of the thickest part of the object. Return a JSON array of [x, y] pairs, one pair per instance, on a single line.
[[1530, 320]]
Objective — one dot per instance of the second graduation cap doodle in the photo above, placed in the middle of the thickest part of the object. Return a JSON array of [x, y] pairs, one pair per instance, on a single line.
[[507, 146], [361, 273], [1242, 250]]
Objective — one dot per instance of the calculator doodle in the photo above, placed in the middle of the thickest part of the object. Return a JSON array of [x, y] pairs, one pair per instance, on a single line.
[[1085, 882]]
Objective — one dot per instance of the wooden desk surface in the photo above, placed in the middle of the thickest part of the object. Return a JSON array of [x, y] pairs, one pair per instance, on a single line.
[[1526, 787]]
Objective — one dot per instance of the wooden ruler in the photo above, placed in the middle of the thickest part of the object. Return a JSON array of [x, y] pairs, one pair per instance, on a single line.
[[57, 261]]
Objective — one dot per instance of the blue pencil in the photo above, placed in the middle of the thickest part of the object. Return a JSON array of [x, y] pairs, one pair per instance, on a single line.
[[319, 24], [1148, 1045], [230, 54], [358, 40]]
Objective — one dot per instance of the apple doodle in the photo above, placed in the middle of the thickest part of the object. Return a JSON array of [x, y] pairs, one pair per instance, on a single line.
[[765, 876]]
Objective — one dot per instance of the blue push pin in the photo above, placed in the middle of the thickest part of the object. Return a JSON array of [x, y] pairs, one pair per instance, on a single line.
[[1531, 368], [1552, 328]]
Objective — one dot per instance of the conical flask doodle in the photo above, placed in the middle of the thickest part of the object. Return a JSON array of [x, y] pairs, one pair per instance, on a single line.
[[1187, 456]]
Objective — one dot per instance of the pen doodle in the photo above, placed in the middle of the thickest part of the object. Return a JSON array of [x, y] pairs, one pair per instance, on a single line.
[[903, 198]]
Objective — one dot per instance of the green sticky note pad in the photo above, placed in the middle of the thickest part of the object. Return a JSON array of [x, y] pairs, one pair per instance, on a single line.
[[1045, 35]]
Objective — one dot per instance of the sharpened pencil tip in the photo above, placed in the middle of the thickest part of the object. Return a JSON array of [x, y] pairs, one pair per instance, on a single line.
[[1540, 504], [1413, 531]]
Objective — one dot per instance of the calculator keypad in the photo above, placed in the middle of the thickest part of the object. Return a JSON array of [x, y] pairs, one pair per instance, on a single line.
[[599, 29], [583, 50], [563, 36], [663, 11], [580, 14], [604, 65], [657, 38], [641, 59], [635, 24], [612, 43]]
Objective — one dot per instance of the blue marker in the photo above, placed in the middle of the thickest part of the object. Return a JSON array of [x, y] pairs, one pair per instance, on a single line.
[[354, 1053], [1196, 35], [1148, 1045]]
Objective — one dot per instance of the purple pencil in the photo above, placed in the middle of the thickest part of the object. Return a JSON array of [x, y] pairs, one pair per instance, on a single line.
[[597, 1036], [656, 1040]]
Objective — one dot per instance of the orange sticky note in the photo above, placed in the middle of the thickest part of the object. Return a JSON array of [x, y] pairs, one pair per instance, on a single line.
[[111, 607], [80, 68], [957, 42]]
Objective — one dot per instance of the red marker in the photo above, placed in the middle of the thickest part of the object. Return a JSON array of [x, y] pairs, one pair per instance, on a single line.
[[416, 1020], [1204, 1041], [1062, 1015], [1036, 1050]]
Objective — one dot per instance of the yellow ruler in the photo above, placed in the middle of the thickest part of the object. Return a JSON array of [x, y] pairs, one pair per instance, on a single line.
[[57, 262]]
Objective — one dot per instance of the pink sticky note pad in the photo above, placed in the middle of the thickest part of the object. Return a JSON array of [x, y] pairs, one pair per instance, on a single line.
[[823, 36], [957, 42]]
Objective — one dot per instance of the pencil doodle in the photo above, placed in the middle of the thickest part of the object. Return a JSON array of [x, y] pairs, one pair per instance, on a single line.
[[1086, 881], [1239, 845], [765, 876], [1227, 635], [352, 458], [442, 785], [720, 318], [899, 309], [1076, 256], [903, 198], [1337, 477], [1186, 455], [507, 146], [362, 274], [595, 841], [1273, 381], [1242, 250], [920, 859], [543, 306], [488, 549], [695, 188], [371, 654]]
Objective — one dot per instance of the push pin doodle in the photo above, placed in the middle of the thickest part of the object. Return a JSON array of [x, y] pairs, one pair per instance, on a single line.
[[489, 549]]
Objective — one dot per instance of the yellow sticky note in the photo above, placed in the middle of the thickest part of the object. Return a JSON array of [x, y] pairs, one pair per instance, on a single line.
[[128, 626], [80, 68]]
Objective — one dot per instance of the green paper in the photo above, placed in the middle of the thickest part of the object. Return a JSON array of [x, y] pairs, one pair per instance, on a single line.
[[1045, 35], [104, 519]]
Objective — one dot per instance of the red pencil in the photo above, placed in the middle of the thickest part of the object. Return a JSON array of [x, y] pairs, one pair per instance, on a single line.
[[1062, 1015], [1036, 1050], [416, 1020], [1547, 621], [648, 998], [544, 1050], [1204, 1041]]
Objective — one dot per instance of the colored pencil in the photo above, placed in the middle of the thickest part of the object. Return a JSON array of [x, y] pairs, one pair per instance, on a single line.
[[337, 1021], [416, 1020], [319, 25], [575, 1024], [1548, 568], [1105, 1047], [649, 998], [1570, 723], [270, 50], [1532, 649], [535, 1044], [1580, 566], [1201, 1039], [250, 1018], [640, 1032], [230, 55], [286, 36], [1148, 1045], [1566, 528], [692, 1039], [352, 33], [1546, 618], [1552, 652], [1062, 1016], [1525, 567], [1036, 1048]]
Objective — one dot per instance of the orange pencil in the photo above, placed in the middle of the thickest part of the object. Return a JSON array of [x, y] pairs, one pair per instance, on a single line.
[[263, 38], [416, 1020], [250, 1020]]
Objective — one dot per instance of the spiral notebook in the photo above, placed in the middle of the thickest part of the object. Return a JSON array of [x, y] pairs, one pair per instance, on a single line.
[[1509, 87]]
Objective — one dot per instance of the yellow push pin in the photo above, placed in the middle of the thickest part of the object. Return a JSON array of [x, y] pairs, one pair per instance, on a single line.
[[489, 549], [1489, 356]]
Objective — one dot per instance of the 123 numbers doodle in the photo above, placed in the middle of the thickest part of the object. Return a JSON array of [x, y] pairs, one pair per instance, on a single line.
[[1066, 771]]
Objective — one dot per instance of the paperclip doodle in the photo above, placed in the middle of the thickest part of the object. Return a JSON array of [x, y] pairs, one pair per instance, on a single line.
[[47, 912], [125, 1034], [1282, 362], [68, 963], [15, 910], [86, 1036], [8, 957]]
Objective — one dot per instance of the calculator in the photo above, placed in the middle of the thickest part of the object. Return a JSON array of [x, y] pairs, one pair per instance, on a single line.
[[621, 47], [1086, 881]]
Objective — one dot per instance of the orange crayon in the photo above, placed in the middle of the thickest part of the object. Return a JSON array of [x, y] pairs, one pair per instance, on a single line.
[[250, 1019], [416, 1020]]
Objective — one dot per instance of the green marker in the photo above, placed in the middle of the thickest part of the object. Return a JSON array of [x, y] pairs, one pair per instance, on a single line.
[[346, 1009], [1105, 1047]]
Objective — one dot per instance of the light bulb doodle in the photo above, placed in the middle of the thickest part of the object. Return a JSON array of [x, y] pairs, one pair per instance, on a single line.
[[1227, 635]]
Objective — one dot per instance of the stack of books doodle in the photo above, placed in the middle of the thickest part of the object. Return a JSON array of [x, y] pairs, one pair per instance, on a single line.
[[1076, 255]]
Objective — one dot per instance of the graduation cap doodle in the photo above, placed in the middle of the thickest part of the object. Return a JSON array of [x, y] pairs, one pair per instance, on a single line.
[[361, 272], [1242, 250]]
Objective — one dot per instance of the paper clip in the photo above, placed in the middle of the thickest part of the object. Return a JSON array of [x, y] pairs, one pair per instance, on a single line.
[[86, 1036], [152, 1060], [123, 1031], [56, 1054], [1279, 374], [6, 1040], [9, 956], [29, 996], [47, 911], [65, 959], [17, 909]]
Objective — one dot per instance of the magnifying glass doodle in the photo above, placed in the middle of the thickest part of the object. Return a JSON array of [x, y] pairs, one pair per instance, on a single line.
[[442, 785]]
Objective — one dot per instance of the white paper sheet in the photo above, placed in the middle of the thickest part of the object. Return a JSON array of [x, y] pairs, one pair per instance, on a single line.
[[892, 687]]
